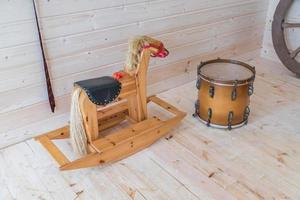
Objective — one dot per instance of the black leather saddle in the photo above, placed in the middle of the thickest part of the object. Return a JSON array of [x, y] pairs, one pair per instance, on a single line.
[[101, 91]]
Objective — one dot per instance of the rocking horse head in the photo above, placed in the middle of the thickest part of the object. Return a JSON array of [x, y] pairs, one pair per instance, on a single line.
[[136, 48]]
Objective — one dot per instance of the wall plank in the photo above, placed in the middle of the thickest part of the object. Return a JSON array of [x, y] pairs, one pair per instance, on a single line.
[[125, 15], [14, 11], [105, 38], [66, 7], [33, 74]]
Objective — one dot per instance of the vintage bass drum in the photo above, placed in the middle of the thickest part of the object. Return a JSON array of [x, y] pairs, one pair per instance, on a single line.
[[225, 87]]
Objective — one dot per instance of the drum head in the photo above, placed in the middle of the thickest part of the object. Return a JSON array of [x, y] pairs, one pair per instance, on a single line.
[[226, 72]]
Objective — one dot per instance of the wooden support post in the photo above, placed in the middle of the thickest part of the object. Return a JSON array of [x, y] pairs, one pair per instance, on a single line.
[[90, 118], [141, 80], [137, 104]]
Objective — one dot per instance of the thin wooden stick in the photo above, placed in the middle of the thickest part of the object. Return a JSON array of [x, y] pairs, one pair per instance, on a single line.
[[48, 81]]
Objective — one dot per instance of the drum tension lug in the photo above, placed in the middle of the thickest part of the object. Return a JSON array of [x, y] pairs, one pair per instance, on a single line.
[[209, 113], [250, 89], [230, 118], [198, 84], [197, 104], [246, 114], [211, 91], [234, 91]]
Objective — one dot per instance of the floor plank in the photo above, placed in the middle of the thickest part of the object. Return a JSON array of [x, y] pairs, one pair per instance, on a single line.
[[81, 184], [21, 178]]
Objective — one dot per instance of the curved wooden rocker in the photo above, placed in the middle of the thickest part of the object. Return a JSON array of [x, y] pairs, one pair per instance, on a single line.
[[131, 104]]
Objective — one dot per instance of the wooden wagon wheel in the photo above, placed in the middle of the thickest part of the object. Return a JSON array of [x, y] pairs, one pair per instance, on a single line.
[[287, 57]]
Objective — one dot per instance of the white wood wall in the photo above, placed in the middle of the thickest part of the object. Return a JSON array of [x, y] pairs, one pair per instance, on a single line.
[[86, 39], [292, 35]]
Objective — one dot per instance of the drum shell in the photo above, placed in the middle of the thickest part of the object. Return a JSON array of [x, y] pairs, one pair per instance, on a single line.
[[221, 104]]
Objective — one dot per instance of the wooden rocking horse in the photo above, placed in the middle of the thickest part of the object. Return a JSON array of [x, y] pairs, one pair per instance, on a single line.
[[101, 103]]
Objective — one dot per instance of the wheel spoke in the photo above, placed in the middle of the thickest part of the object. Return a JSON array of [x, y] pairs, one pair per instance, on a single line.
[[295, 52], [291, 25]]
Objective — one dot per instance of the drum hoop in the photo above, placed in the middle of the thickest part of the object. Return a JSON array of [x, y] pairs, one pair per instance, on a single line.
[[222, 126], [227, 82]]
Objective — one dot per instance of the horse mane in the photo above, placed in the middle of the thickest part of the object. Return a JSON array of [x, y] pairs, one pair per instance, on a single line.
[[135, 49]]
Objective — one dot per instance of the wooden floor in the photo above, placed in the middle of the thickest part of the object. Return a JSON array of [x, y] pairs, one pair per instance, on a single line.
[[258, 161]]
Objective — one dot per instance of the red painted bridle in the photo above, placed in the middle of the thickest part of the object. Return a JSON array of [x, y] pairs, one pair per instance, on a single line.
[[162, 51]]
